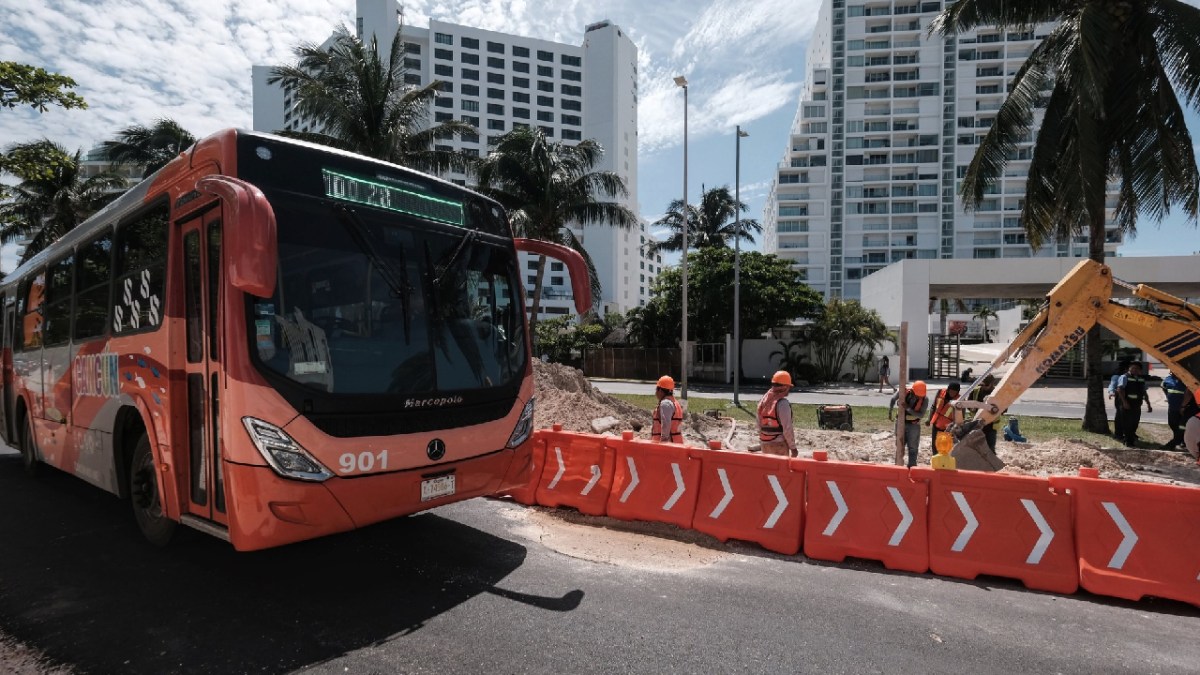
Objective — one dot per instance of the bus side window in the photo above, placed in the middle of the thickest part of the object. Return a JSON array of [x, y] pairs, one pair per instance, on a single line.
[[57, 325], [33, 319], [138, 300], [93, 277]]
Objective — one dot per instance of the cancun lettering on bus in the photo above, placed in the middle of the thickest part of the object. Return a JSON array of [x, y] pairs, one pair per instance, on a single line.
[[96, 375], [1068, 342]]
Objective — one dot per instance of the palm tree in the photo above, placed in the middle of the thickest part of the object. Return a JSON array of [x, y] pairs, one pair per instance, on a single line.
[[792, 355], [984, 314], [148, 147], [1112, 114], [712, 223], [46, 205], [360, 102], [547, 186]]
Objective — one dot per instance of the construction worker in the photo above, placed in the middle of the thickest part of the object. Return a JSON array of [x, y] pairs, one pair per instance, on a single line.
[[1131, 391], [1176, 395], [941, 413], [1191, 432], [667, 408], [775, 429], [985, 389], [1122, 366], [913, 409]]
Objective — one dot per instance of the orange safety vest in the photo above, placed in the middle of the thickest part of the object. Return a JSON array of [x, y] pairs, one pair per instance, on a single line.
[[769, 428], [939, 418], [676, 422]]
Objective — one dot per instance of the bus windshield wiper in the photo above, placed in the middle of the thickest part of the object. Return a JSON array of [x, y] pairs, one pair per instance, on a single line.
[[462, 243], [396, 281]]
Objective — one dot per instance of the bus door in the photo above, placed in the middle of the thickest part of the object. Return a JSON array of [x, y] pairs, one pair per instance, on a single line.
[[201, 256]]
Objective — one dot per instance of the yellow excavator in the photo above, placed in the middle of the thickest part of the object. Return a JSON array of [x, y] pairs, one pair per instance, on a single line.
[[1083, 298]]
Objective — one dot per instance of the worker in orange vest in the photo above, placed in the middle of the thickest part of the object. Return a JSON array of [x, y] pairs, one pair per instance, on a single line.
[[913, 409], [775, 429], [941, 414], [667, 408]]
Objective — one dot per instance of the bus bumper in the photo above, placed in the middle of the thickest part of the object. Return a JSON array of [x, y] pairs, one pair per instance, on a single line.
[[274, 511]]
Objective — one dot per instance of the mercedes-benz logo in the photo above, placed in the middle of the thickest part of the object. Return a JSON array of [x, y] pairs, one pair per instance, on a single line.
[[436, 449]]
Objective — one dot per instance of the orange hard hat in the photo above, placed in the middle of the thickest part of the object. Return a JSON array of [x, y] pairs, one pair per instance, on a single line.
[[1197, 395], [666, 382], [782, 377], [918, 387]]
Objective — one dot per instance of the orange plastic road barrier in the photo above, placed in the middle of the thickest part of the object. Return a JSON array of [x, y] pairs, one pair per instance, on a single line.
[[527, 494], [1136, 539], [870, 511], [654, 482], [751, 497], [578, 471], [1009, 526]]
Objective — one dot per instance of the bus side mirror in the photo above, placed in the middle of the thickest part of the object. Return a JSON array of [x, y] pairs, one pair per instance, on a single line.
[[581, 285], [249, 237]]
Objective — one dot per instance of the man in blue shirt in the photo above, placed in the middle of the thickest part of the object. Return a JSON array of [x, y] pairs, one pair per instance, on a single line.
[[1176, 393]]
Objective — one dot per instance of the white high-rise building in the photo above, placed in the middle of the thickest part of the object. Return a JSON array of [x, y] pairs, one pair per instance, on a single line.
[[888, 120], [498, 82]]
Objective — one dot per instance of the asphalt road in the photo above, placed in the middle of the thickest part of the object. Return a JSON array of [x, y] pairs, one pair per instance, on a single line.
[[1062, 409], [465, 589]]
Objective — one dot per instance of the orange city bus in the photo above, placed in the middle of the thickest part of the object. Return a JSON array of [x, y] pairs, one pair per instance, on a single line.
[[270, 341]]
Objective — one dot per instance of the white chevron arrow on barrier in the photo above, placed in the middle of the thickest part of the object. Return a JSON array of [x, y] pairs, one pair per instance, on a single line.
[[1130, 537], [780, 507], [1043, 542], [906, 518], [841, 511], [716, 513], [592, 483], [679, 488], [633, 483], [561, 469], [969, 529]]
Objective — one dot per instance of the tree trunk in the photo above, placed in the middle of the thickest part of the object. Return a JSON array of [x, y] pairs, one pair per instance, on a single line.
[[1095, 413], [537, 301]]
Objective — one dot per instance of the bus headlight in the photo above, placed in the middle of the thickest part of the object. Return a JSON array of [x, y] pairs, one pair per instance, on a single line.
[[523, 428], [285, 455]]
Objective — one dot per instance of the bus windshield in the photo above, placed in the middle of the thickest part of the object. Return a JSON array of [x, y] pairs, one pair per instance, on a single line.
[[379, 302]]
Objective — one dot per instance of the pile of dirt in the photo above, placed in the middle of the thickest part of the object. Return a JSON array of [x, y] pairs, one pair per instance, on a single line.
[[566, 397]]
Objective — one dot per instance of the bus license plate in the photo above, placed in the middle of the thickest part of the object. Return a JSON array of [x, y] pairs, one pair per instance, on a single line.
[[433, 488]]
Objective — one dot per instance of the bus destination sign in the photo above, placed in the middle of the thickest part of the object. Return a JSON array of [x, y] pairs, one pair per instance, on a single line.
[[392, 198]]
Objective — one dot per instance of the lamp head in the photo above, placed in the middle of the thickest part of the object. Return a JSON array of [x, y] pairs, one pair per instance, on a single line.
[[742, 134], [681, 81]]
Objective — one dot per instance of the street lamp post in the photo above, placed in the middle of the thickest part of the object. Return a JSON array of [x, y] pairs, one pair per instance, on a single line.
[[737, 264], [681, 81]]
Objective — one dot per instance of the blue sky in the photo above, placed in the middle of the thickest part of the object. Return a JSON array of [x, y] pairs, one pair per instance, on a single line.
[[137, 60]]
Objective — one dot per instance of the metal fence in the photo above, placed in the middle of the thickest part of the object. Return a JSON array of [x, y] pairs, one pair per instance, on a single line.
[[631, 363]]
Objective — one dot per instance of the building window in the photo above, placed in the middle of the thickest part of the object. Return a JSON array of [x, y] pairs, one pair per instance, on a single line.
[[443, 39], [472, 120], [495, 47], [470, 43], [468, 74], [545, 56], [545, 116], [412, 63], [444, 102], [495, 125], [470, 106], [520, 97], [494, 62], [495, 93], [571, 90], [545, 86], [443, 70], [521, 113], [443, 54], [520, 66], [495, 78], [545, 71], [470, 90], [573, 120], [556, 266], [522, 82], [520, 51], [470, 138], [470, 59], [549, 131], [442, 117], [495, 109], [412, 78], [446, 87], [571, 135], [572, 75], [547, 101], [572, 104], [571, 61], [556, 281]]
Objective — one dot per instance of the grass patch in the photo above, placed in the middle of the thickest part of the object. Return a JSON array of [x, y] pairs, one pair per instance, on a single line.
[[873, 419]]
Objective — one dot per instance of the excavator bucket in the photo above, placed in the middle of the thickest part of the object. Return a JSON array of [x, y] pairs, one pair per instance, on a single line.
[[972, 453]]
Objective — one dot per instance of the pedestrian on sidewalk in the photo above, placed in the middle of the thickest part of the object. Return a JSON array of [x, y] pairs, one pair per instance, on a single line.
[[667, 409], [980, 393], [775, 430], [1131, 391], [1122, 366], [967, 375], [1176, 395], [885, 373], [913, 409], [941, 414]]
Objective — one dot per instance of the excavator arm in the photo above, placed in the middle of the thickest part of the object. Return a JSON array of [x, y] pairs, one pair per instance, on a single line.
[[1080, 300]]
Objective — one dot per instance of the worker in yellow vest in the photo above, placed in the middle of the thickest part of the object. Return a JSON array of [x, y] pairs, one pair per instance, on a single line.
[[667, 408]]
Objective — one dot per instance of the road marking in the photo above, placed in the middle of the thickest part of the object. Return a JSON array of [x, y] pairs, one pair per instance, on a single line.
[[592, 483], [1130, 537], [561, 468], [969, 529], [1043, 542], [780, 507], [679, 488], [716, 513], [905, 521], [633, 483], [841, 512]]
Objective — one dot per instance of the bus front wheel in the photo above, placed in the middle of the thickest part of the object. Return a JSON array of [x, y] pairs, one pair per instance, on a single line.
[[29, 458], [148, 509]]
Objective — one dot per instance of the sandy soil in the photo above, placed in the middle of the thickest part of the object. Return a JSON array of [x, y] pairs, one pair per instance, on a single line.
[[18, 659], [564, 396]]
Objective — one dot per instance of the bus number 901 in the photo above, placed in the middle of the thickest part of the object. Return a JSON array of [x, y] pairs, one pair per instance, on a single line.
[[362, 462]]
